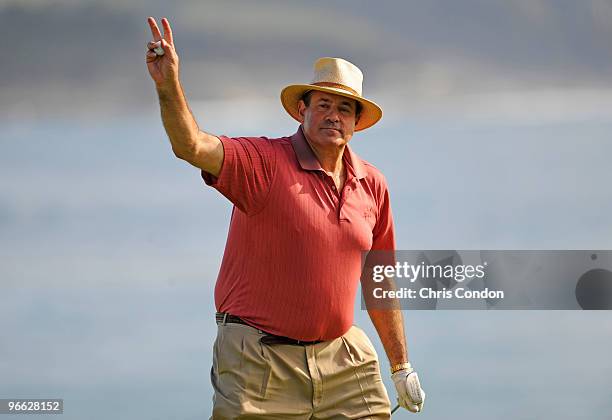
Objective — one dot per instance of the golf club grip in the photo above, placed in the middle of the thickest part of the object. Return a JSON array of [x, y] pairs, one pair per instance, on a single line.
[[395, 409]]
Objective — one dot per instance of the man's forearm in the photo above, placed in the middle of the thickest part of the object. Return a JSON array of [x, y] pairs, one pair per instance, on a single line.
[[386, 315], [177, 118], [389, 324]]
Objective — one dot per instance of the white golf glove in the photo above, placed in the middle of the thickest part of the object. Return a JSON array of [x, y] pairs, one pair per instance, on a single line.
[[410, 395]]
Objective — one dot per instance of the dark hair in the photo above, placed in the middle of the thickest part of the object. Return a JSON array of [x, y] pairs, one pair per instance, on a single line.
[[306, 98]]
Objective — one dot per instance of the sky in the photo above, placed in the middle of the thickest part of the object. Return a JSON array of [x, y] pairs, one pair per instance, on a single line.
[[495, 135]]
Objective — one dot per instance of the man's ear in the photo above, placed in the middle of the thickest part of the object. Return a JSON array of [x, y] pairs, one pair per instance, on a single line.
[[301, 110]]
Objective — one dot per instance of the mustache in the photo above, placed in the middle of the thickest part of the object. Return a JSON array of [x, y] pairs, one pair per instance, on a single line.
[[332, 125]]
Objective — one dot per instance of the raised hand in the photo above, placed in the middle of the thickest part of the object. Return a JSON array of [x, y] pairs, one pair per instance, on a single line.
[[162, 68]]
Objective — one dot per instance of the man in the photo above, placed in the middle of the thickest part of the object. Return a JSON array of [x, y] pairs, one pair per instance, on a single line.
[[305, 207]]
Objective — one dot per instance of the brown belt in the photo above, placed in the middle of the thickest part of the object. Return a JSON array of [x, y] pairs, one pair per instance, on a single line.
[[267, 338]]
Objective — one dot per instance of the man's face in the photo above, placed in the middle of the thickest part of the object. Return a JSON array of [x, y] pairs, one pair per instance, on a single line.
[[329, 119]]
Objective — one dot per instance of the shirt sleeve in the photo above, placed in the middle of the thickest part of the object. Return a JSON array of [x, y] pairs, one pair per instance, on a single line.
[[247, 171]]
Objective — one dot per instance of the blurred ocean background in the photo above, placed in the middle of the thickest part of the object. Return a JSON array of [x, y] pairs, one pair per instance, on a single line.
[[496, 135]]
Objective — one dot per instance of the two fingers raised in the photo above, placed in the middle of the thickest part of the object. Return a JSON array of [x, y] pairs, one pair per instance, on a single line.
[[161, 42], [157, 35]]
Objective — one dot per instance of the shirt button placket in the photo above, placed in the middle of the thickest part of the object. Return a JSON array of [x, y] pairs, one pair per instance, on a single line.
[[348, 189]]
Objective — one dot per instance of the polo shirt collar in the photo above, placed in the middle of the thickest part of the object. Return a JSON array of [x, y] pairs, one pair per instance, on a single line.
[[308, 160]]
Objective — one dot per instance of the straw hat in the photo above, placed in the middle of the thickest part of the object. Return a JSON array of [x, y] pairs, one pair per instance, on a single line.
[[339, 77]]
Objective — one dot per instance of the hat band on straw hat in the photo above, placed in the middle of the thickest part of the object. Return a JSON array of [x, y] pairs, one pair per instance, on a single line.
[[337, 86]]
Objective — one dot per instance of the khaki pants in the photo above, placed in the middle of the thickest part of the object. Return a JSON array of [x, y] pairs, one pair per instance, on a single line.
[[337, 379]]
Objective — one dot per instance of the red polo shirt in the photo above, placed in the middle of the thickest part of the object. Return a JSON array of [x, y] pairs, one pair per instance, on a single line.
[[293, 255]]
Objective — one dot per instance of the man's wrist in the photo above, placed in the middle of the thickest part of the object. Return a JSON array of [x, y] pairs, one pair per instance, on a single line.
[[401, 366], [169, 89]]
